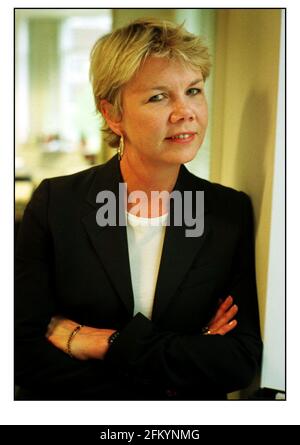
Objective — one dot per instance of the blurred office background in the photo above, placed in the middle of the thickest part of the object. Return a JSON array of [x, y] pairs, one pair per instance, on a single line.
[[58, 130]]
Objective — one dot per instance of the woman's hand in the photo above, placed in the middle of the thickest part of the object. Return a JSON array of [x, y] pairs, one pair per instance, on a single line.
[[88, 343], [92, 343], [223, 321]]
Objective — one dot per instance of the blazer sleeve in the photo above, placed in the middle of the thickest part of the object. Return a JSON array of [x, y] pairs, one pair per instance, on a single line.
[[226, 363], [38, 364]]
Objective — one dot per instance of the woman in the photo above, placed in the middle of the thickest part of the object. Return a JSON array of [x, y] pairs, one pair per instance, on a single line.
[[146, 309]]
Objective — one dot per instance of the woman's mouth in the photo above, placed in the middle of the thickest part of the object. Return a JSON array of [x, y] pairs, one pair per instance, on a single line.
[[181, 138]]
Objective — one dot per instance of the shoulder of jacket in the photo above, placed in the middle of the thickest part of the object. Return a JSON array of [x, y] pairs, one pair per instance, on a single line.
[[82, 175]]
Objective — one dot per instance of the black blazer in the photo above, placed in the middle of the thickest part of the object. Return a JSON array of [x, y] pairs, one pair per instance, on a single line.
[[66, 264]]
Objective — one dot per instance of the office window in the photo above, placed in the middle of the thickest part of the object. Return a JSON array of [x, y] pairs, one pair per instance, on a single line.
[[54, 102], [79, 122]]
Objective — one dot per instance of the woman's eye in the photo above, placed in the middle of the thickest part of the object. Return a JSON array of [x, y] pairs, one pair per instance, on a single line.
[[156, 98], [194, 91]]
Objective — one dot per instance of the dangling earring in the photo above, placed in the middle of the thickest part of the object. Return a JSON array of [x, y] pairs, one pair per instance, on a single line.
[[120, 150]]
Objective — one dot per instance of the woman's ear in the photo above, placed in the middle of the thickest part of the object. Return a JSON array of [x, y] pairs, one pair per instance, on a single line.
[[107, 111]]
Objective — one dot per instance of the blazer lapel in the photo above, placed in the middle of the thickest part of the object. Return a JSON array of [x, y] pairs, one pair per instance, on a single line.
[[110, 242], [178, 252]]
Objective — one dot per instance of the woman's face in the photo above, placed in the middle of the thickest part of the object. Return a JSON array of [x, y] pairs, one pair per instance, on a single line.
[[164, 113]]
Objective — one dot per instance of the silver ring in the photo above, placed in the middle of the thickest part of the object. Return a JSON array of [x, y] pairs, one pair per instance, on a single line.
[[206, 330]]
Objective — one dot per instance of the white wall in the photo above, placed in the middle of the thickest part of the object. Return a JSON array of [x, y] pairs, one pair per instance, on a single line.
[[273, 372]]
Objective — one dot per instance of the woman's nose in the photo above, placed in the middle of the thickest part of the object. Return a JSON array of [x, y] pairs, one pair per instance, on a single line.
[[181, 111]]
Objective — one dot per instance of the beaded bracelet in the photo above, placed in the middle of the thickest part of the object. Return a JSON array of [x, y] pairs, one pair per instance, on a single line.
[[113, 337], [71, 337]]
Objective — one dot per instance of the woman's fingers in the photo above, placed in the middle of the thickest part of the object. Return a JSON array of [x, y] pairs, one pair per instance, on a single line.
[[226, 328], [224, 319], [52, 325], [223, 307]]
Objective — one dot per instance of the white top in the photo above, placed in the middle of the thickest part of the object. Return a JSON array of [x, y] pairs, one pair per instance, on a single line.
[[145, 241]]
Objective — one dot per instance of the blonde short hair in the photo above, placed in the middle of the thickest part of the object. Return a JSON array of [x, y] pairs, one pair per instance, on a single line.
[[117, 56]]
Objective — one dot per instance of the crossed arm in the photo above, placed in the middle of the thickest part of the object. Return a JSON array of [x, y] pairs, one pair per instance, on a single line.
[[92, 343]]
